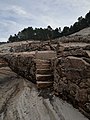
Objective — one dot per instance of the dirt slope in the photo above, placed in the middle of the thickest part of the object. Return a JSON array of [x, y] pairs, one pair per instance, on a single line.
[[83, 32]]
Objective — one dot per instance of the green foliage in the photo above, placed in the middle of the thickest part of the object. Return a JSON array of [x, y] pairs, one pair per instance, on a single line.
[[65, 31], [77, 26], [49, 33], [35, 34], [87, 17]]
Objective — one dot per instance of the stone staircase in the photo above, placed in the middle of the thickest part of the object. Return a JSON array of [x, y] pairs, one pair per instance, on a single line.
[[44, 73], [44, 76], [34, 66]]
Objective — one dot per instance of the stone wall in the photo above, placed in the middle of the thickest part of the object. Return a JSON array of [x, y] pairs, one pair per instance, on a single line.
[[32, 46], [22, 64], [72, 80]]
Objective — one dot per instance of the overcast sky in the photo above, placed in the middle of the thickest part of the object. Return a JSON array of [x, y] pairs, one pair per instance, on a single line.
[[18, 14]]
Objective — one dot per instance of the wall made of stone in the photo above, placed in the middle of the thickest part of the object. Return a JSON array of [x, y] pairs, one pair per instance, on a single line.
[[72, 81], [22, 64]]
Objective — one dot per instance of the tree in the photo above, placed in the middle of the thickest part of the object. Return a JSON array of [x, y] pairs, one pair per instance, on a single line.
[[65, 31], [49, 28], [59, 30], [49, 33], [87, 17], [80, 19], [10, 39]]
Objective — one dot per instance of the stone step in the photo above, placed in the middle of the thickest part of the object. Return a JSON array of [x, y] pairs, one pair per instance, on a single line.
[[44, 77], [44, 84], [44, 71], [39, 61], [43, 66], [45, 55]]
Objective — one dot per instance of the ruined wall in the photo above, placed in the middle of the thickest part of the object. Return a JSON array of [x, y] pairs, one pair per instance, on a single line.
[[32, 46], [72, 78], [22, 64]]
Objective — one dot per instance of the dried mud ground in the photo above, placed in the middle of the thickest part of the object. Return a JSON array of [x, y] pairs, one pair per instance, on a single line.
[[20, 100]]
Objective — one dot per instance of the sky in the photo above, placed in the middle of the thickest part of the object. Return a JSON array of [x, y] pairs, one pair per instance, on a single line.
[[16, 15]]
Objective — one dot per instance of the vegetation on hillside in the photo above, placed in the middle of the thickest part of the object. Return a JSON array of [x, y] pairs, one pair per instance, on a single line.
[[2, 43], [50, 33]]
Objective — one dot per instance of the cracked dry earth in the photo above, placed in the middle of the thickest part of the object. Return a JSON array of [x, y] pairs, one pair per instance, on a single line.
[[20, 100]]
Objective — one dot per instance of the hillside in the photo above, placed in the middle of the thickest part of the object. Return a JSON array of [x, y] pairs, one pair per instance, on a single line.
[[83, 32]]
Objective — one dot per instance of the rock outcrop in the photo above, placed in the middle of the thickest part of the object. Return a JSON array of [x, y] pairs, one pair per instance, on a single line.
[[72, 80]]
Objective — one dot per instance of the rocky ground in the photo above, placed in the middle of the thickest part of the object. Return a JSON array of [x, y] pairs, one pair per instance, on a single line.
[[21, 100]]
